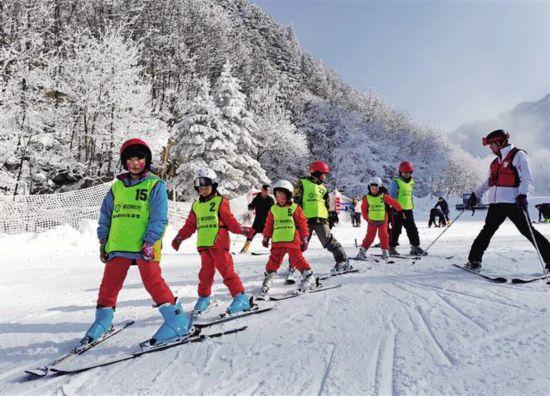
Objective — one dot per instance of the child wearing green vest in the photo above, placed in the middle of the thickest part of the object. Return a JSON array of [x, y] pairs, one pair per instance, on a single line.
[[402, 189], [311, 193], [132, 221], [211, 217], [374, 209], [287, 227]]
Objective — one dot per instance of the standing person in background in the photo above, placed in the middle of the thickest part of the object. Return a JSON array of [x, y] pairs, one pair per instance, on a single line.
[[444, 206], [402, 189], [261, 204], [335, 201], [311, 194], [357, 212], [132, 221], [507, 185]]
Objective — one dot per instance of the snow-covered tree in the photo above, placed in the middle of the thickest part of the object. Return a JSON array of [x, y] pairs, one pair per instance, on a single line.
[[282, 150], [202, 140]]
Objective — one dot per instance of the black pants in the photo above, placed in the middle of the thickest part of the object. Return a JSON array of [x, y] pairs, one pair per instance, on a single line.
[[441, 221], [496, 215], [410, 226]]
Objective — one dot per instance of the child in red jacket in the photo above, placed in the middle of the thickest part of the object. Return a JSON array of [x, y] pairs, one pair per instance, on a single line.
[[287, 226], [374, 211], [211, 217]]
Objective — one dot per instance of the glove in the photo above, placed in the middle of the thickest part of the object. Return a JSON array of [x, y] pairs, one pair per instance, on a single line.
[[176, 242], [472, 200], [521, 202], [304, 243], [102, 252], [148, 251], [265, 242]]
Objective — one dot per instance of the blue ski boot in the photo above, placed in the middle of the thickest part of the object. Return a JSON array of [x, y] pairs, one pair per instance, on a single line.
[[102, 324], [240, 303], [201, 305], [176, 323]]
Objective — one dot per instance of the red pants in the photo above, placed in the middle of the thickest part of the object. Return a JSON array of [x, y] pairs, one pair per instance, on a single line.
[[382, 235], [218, 259], [295, 256], [115, 273]]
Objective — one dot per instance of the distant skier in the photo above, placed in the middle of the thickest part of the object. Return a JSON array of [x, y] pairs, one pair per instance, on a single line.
[[374, 209], [261, 204], [287, 227], [132, 221], [211, 217], [402, 189], [444, 206], [507, 185], [335, 202], [311, 194], [437, 218], [357, 211], [544, 212]]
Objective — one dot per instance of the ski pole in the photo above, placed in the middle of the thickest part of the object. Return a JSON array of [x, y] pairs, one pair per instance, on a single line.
[[528, 220], [439, 236]]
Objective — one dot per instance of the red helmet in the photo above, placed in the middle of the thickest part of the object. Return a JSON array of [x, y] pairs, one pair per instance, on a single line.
[[498, 136], [406, 166], [319, 166], [134, 146]]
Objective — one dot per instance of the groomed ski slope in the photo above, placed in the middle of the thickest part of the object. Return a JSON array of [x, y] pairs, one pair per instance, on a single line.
[[394, 329]]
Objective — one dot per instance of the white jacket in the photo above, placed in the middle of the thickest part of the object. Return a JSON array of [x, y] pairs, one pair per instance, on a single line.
[[497, 194]]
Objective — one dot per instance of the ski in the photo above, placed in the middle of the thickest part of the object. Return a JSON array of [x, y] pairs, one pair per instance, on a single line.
[[225, 317], [372, 259], [331, 274], [193, 338], [496, 279], [259, 253], [78, 350], [296, 293], [198, 314], [529, 280]]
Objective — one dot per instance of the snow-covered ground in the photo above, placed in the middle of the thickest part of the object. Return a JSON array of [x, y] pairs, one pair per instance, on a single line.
[[397, 328]]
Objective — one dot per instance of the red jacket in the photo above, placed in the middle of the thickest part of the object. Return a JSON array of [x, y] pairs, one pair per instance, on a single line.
[[504, 174], [301, 232], [388, 201], [226, 221]]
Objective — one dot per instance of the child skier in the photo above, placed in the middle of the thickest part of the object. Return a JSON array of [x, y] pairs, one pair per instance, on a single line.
[[374, 210], [131, 225], [287, 225], [311, 194], [401, 189], [211, 217]]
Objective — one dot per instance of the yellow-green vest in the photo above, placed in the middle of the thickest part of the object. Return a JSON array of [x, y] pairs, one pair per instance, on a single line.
[[208, 223], [313, 200], [284, 228], [130, 216], [405, 194], [377, 207]]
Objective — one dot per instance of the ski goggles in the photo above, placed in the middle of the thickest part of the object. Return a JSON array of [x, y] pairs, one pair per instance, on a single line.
[[203, 181], [496, 139]]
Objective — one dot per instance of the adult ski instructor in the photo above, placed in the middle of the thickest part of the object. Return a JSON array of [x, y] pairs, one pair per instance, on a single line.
[[311, 194], [507, 185]]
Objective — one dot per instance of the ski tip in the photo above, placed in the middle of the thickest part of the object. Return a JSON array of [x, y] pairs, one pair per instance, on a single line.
[[38, 372]]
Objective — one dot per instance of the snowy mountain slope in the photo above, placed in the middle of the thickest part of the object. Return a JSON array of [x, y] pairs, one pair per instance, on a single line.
[[394, 329]]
